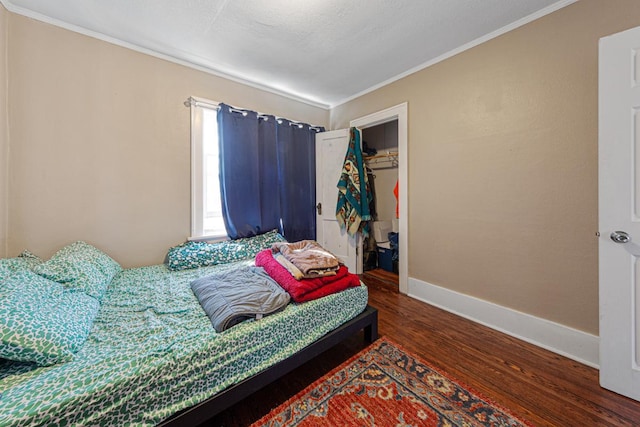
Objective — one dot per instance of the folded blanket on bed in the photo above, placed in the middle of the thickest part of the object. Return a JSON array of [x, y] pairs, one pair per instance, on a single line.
[[309, 257], [232, 296], [306, 289], [295, 271]]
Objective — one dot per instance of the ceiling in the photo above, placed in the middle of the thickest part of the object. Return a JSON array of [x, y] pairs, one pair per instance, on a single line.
[[323, 52]]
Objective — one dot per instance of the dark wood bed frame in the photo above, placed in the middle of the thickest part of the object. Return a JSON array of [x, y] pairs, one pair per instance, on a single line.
[[197, 414]]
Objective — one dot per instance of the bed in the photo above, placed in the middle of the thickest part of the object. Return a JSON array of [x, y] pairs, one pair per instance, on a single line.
[[152, 356]]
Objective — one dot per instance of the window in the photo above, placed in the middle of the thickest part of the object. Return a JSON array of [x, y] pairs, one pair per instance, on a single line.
[[206, 207]]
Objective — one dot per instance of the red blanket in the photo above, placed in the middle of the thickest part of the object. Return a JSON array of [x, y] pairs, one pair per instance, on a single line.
[[305, 289]]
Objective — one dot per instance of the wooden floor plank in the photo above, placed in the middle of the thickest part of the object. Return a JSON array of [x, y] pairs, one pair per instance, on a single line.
[[536, 384]]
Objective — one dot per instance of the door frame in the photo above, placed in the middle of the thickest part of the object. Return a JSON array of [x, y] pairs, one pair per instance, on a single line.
[[398, 112]]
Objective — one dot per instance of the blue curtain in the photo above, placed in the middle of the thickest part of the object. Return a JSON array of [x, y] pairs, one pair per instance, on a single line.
[[248, 186], [267, 175], [297, 170]]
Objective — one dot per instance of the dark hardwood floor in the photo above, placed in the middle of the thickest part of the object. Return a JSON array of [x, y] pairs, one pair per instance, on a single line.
[[383, 278], [540, 386]]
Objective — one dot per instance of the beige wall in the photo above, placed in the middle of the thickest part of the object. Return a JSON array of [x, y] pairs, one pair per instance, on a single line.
[[4, 133], [503, 164], [99, 142], [385, 181], [502, 149]]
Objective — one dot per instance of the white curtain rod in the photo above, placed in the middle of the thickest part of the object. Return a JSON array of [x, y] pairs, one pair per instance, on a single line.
[[213, 105], [201, 102]]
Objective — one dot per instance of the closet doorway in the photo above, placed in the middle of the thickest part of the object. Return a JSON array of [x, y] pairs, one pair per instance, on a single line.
[[380, 248], [386, 133]]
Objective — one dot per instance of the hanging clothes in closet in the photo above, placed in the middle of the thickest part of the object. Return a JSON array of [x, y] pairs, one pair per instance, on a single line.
[[371, 178]]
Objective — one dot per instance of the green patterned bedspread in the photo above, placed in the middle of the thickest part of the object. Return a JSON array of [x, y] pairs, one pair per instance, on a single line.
[[153, 351]]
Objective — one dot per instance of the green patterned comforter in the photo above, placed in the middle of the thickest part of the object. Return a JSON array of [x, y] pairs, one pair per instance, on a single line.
[[152, 352]]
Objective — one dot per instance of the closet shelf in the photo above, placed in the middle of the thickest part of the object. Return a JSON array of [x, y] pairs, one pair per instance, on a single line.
[[387, 156], [382, 159]]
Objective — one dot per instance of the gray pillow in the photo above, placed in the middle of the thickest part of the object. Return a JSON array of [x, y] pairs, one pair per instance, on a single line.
[[232, 296]]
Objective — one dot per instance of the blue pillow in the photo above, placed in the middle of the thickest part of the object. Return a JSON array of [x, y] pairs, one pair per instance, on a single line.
[[81, 266], [41, 321]]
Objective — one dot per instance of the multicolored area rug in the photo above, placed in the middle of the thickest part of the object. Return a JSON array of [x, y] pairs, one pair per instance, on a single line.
[[384, 385]]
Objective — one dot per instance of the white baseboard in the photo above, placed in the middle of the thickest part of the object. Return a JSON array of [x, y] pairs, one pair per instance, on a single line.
[[572, 343]]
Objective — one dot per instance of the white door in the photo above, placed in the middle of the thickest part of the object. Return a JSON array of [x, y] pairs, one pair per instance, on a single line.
[[619, 212], [331, 148]]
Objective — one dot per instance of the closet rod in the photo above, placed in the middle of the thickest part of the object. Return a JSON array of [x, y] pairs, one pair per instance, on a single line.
[[382, 156], [383, 168]]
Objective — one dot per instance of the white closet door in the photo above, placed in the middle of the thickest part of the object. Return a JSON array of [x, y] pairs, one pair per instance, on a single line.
[[331, 148]]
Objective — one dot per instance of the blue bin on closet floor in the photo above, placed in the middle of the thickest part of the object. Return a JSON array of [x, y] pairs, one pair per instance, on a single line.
[[385, 258]]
